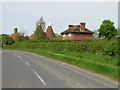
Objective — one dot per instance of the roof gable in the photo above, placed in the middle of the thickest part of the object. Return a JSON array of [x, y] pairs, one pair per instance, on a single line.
[[76, 29], [31, 36], [49, 33]]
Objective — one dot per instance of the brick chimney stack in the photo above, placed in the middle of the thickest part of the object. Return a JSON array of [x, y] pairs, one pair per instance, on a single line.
[[82, 26], [15, 30], [70, 26]]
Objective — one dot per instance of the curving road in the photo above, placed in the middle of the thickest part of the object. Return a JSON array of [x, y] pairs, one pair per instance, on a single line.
[[26, 70]]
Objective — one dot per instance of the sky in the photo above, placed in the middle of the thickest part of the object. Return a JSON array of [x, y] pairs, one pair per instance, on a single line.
[[24, 15]]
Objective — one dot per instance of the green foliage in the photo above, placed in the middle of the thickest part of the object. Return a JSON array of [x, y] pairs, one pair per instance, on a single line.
[[6, 40], [50, 40], [39, 34], [41, 22], [0, 40], [59, 37], [107, 30], [97, 46]]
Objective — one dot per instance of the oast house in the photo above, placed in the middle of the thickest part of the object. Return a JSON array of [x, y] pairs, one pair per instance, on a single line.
[[49, 33]]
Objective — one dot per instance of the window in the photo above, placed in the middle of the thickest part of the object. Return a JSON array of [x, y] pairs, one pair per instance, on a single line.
[[69, 34], [64, 35]]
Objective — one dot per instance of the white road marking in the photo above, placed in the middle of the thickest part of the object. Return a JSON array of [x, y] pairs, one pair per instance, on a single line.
[[19, 57], [27, 63], [15, 54], [39, 77]]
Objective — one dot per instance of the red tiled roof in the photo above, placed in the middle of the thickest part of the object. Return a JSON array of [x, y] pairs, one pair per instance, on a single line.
[[14, 34], [76, 29], [31, 36], [49, 33]]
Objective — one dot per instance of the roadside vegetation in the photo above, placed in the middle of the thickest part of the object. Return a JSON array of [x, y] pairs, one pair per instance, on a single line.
[[99, 55]]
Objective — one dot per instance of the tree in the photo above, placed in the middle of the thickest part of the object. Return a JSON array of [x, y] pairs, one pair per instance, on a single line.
[[0, 40], [42, 23], [7, 40], [59, 37], [107, 30], [39, 34]]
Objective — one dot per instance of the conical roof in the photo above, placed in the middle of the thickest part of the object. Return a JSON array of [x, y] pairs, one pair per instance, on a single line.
[[31, 36], [50, 34]]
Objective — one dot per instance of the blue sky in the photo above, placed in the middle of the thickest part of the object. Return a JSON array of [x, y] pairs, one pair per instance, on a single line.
[[24, 15]]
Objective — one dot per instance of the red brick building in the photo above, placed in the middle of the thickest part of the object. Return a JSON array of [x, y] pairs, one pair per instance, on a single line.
[[31, 36], [15, 35], [50, 34], [77, 32]]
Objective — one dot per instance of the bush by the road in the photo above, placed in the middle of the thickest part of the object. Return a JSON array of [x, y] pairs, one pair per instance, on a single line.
[[6, 40], [97, 46]]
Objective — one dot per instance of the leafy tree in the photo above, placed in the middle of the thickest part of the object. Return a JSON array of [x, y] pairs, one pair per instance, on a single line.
[[59, 37], [42, 23], [0, 40], [107, 30], [7, 40], [39, 34]]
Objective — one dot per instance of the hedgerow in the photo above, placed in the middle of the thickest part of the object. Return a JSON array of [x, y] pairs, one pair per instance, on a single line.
[[97, 46]]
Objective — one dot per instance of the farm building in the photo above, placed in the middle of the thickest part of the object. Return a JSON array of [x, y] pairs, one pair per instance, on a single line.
[[49, 33], [77, 32], [31, 36], [15, 35]]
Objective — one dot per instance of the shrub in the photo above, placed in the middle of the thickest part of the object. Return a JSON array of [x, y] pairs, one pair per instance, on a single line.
[[92, 46]]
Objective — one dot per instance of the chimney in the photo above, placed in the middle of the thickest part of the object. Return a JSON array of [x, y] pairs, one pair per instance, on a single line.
[[15, 30], [70, 26], [82, 26]]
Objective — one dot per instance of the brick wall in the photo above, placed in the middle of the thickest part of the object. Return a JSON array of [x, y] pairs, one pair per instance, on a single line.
[[82, 36], [77, 37]]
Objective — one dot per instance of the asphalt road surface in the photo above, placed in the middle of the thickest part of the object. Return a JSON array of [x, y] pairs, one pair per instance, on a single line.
[[26, 70]]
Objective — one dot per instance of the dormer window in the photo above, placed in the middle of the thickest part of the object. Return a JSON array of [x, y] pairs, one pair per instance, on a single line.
[[64, 35], [69, 34]]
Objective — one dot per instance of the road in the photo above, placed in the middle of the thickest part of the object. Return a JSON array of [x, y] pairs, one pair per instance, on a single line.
[[26, 70]]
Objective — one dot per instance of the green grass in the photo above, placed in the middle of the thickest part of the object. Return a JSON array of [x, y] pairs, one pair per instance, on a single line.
[[105, 65], [103, 59]]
